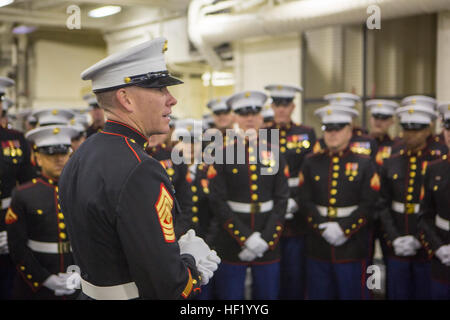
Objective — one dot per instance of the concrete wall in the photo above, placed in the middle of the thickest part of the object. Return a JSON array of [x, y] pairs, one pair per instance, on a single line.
[[259, 62], [55, 77]]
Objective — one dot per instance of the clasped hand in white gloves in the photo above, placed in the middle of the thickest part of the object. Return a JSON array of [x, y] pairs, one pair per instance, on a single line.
[[206, 260], [247, 255], [256, 244], [333, 233], [443, 254], [291, 208], [406, 246], [58, 284], [4, 243]]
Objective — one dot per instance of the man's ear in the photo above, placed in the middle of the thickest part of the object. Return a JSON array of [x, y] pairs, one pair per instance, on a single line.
[[38, 158], [125, 98]]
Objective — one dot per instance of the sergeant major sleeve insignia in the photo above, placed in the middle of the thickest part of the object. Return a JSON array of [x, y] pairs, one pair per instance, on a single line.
[[375, 182], [164, 206], [10, 217]]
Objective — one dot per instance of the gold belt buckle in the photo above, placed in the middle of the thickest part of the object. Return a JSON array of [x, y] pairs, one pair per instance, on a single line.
[[410, 208], [332, 212], [255, 207], [64, 247]]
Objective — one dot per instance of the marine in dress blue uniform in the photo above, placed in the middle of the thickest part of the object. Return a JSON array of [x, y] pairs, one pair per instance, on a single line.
[[338, 189], [15, 167], [296, 141], [402, 176], [434, 220], [249, 206], [119, 202], [37, 235]]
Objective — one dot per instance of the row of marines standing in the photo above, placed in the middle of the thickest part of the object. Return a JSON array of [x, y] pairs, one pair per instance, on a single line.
[[305, 231]]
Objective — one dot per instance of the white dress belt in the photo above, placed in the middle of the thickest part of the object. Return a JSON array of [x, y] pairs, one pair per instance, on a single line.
[[49, 247], [340, 212], [5, 203], [247, 207], [410, 208], [293, 182], [125, 291], [442, 223]]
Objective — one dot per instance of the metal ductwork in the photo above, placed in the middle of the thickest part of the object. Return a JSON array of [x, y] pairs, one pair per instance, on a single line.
[[207, 30]]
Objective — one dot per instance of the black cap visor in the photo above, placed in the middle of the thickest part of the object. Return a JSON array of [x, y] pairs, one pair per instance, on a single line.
[[447, 124], [250, 110], [55, 149], [161, 82], [414, 126], [282, 102], [334, 126]]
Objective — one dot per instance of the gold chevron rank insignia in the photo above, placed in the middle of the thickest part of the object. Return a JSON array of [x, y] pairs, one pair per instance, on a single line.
[[10, 217], [164, 207]]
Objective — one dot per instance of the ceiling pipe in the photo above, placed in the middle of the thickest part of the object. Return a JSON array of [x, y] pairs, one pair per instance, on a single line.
[[207, 31]]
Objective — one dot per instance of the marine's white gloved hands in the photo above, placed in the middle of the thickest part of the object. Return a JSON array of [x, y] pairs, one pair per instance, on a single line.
[[205, 273], [443, 254], [208, 266], [206, 260], [333, 233], [4, 243], [291, 208], [191, 244], [57, 283], [256, 244], [247, 255], [405, 246]]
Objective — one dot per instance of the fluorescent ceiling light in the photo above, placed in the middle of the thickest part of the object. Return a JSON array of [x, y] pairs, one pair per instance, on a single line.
[[104, 11], [5, 2]]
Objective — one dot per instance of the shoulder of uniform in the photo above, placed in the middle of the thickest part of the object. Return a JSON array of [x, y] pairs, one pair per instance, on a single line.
[[305, 127], [30, 184], [434, 163], [361, 156], [135, 150], [364, 137], [14, 133], [438, 146], [312, 155]]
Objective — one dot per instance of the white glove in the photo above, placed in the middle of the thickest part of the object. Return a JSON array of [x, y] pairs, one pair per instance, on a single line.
[[206, 260], [205, 273], [405, 246], [333, 233], [57, 284], [191, 244], [247, 255], [207, 266], [443, 253], [291, 208], [73, 280], [256, 244], [4, 243]]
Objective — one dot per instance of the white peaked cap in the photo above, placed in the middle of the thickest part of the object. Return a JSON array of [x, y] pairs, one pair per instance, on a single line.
[[283, 90], [336, 114]]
